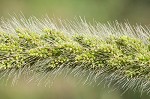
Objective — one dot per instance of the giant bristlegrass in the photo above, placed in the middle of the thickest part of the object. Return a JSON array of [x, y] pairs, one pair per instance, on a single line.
[[119, 54]]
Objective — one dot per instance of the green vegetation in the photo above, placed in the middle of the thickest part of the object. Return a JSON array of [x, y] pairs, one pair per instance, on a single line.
[[129, 56]]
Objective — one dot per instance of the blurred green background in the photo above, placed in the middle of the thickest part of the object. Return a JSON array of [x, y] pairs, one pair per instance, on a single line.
[[63, 88], [135, 11]]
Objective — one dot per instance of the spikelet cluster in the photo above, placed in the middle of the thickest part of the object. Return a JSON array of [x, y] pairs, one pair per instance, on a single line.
[[119, 54]]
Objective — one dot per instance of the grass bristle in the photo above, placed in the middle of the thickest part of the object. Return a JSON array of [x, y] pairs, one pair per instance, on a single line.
[[39, 49]]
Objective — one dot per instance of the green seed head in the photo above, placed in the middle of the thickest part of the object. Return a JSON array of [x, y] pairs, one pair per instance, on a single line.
[[123, 55]]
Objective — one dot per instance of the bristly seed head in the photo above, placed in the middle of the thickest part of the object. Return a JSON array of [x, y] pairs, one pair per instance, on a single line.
[[118, 53]]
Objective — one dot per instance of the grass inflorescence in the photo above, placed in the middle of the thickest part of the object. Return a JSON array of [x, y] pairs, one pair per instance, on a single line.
[[118, 53]]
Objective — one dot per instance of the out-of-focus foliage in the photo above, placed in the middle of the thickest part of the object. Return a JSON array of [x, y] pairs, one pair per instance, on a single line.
[[136, 11], [65, 89]]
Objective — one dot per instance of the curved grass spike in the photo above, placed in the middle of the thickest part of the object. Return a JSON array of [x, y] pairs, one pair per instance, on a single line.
[[118, 54]]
